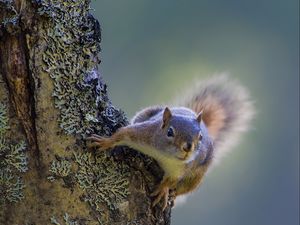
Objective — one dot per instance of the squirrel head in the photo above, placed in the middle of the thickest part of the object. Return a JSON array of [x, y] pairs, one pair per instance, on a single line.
[[181, 133]]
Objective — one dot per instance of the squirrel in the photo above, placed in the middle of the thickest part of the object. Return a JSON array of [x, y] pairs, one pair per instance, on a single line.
[[186, 140]]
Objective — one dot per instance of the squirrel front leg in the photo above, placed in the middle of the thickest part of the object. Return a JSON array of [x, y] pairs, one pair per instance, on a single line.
[[105, 143]]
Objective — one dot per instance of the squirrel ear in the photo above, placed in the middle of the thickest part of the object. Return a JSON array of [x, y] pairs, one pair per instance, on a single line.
[[166, 117], [199, 117]]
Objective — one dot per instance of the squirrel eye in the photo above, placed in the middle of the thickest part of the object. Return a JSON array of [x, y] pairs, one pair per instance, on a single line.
[[170, 132], [200, 136]]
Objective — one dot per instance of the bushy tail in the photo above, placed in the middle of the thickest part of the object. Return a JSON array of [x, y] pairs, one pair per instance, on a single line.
[[227, 110]]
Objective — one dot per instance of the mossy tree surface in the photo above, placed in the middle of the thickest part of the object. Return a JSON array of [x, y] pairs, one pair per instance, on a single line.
[[52, 97]]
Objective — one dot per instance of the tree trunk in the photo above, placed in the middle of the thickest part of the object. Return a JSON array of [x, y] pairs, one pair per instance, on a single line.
[[52, 97]]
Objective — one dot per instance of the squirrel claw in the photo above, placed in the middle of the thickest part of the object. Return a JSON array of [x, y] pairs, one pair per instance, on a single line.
[[95, 136], [162, 193], [98, 141]]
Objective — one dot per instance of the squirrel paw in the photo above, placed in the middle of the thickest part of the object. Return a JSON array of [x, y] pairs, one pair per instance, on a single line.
[[100, 142], [172, 197], [161, 192]]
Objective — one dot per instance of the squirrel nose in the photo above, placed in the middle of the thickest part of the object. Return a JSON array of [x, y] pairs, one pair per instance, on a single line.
[[187, 146]]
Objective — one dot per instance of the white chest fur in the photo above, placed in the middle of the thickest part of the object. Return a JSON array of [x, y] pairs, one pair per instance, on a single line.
[[172, 167]]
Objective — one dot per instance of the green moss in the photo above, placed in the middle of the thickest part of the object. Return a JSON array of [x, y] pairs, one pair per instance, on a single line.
[[11, 19], [3, 119], [13, 161], [10, 187], [72, 40], [71, 59], [67, 220], [59, 169], [13, 155], [104, 180], [134, 222]]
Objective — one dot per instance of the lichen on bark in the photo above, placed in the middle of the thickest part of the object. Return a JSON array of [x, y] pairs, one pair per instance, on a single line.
[[71, 59], [13, 162], [57, 97]]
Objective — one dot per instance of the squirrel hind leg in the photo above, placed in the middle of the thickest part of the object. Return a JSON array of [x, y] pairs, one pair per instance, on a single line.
[[162, 192]]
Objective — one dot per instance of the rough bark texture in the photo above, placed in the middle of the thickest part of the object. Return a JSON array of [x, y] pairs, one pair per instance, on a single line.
[[51, 97]]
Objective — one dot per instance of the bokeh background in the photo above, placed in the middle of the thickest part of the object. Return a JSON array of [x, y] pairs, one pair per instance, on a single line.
[[152, 50]]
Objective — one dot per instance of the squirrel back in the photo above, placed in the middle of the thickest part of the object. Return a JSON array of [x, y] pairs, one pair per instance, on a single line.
[[227, 110]]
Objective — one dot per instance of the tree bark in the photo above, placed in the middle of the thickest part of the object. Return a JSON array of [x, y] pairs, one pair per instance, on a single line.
[[51, 98]]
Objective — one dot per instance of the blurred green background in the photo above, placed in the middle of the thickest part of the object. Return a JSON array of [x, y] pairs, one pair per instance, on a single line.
[[152, 50]]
